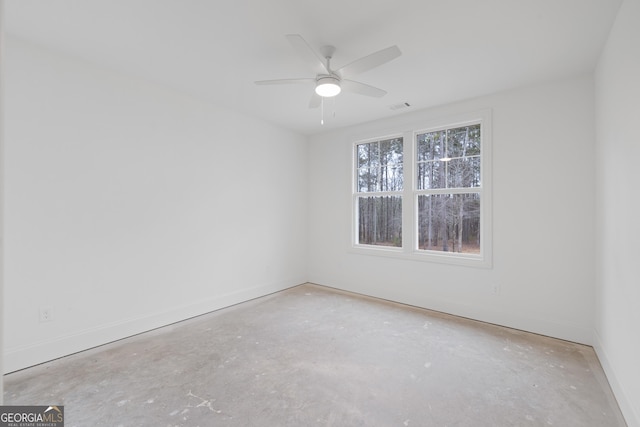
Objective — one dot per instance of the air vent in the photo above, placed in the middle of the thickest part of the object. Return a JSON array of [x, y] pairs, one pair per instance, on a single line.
[[400, 106]]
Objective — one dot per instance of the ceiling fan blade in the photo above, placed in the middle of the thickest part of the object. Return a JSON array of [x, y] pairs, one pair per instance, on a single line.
[[361, 88], [315, 100], [370, 61], [285, 81], [316, 61]]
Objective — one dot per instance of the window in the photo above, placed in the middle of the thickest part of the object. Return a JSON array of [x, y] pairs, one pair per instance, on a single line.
[[447, 188], [428, 199], [379, 192]]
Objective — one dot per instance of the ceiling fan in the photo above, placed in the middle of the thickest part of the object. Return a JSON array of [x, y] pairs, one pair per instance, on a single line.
[[329, 82]]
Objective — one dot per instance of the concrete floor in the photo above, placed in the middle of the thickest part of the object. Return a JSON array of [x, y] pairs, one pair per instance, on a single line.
[[314, 356]]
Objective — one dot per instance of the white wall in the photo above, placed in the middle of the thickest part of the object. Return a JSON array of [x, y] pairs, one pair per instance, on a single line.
[[618, 152], [129, 206], [1, 199], [543, 220]]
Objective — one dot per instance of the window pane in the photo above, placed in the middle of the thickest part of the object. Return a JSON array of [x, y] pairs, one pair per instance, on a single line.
[[367, 179], [368, 154], [385, 178], [431, 145], [391, 151], [449, 222], [391, 178], [463, 172], [449, 158], [380, 221], [431, 175], [380, 166], [463, 141]]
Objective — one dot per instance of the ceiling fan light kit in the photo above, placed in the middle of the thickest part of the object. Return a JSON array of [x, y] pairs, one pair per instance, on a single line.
[[328, 86]]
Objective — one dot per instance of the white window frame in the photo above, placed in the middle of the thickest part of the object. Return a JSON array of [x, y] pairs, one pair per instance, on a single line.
[[409, 249], [356, 195]]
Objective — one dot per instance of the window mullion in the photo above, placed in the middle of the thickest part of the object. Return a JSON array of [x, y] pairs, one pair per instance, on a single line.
[[408, 204], [449, 191]]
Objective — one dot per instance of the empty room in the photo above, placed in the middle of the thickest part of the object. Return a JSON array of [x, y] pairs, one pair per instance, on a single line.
[[332, 213]]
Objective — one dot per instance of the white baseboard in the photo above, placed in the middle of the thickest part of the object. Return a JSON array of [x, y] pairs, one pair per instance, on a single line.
[[630, 414], [39, 352], [565, 331]]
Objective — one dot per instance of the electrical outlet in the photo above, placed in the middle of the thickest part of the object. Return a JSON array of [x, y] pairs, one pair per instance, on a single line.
[[46, 314]]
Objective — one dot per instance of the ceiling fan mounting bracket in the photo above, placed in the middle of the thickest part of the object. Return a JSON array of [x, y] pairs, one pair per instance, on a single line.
[[327, 51]]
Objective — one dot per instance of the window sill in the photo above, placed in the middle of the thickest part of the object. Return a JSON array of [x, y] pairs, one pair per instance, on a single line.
[[467, 260]]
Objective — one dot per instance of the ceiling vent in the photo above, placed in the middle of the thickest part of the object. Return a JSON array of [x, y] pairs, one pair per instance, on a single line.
[[400, 106]]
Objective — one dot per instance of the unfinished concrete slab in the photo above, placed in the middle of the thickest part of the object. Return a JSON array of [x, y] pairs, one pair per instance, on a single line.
[[310, 356]]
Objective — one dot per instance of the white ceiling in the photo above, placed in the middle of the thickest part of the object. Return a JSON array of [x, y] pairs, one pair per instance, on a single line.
[[216, 49]]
